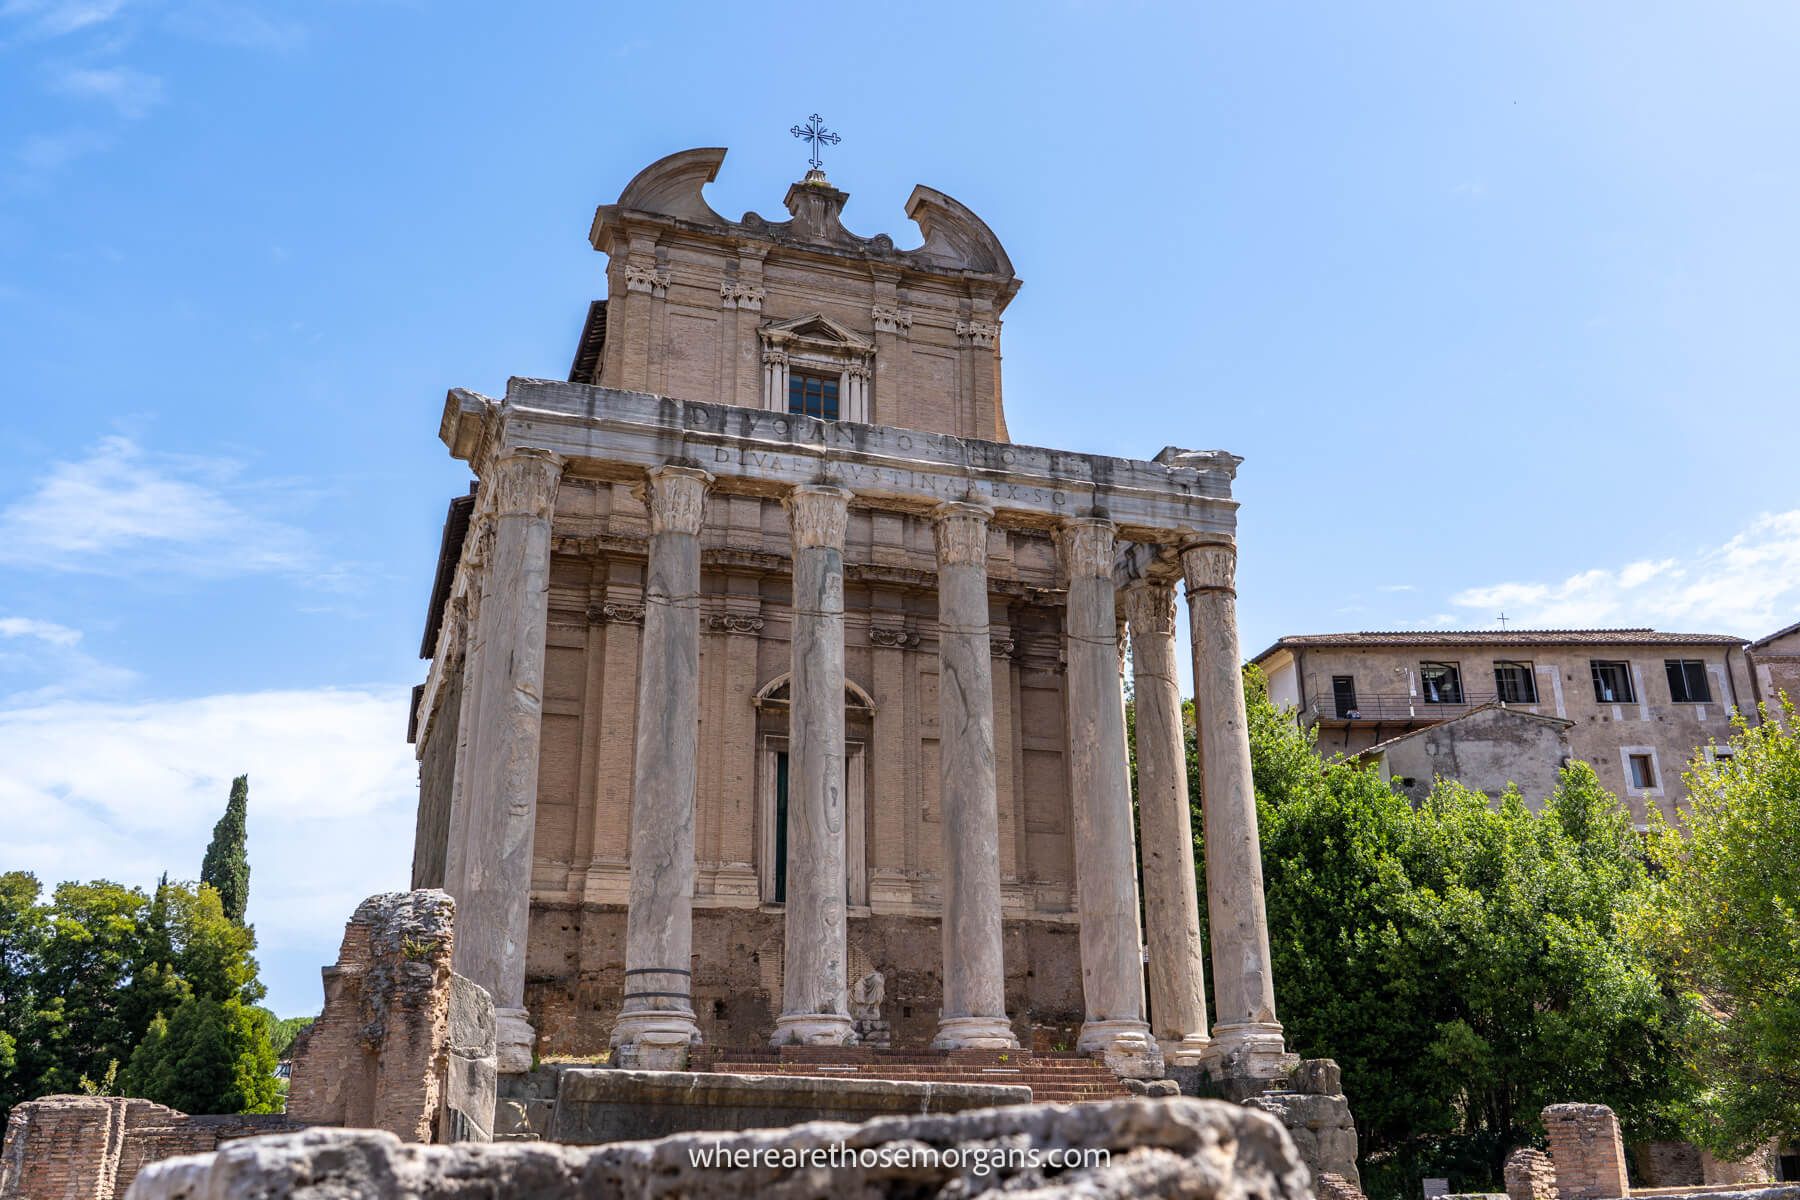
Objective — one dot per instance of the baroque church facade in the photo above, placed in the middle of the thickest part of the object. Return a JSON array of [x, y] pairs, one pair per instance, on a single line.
[[763, 664]]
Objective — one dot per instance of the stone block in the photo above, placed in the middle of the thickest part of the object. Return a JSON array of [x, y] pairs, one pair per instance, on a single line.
[[1196, 1149], [1587, 1151], [595, 1106]]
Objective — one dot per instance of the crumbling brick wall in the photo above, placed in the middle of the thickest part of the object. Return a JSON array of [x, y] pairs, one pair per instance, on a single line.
[[1759, 1167], [1587, 1151], [1530, 1175], [92, 1147], [377, 1056]]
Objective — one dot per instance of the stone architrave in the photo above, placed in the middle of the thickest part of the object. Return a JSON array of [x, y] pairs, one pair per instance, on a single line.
[[499, 827], [1246, 1037], [814, 1007], [1112, 984], [974, 1008], [1171, 896], [656, 1024]]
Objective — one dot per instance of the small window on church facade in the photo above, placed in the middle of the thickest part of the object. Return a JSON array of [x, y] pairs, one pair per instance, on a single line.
[[813, 395]]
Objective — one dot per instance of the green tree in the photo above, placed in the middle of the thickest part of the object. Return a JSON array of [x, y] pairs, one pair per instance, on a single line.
[[24, 924], [283, 1031], [84, 966], [1723, 917], [209, 1056], [227, 863], [1460, 960]]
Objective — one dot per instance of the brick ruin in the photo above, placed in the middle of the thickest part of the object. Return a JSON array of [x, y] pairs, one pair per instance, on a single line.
[[1587, 1162], [92, 1147], [403, 1043], [1588, 1152]]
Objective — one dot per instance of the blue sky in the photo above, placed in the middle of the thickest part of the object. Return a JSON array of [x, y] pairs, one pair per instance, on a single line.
[[1498, 302]]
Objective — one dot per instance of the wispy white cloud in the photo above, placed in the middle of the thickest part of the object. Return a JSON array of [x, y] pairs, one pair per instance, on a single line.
[[1747, 586], [126, 791], [126, 510], [41, 661], [244, 26], [58, 18], [44, 154], [131, 92]]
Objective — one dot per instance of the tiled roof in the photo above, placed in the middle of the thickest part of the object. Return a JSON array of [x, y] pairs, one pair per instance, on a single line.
[[1779, 633], [1502, 637]]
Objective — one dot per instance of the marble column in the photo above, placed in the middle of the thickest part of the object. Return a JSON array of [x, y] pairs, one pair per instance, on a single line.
[[814, 991], [1112, 981], [500, 801], [656, 1024], [1171, 895], [974, 1009], [1246, 1038]]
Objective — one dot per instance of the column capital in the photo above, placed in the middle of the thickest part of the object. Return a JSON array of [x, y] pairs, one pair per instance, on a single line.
[[817, 514], [1149, 606], [676, 497], [960, 529], [524, 481], [1086, 547], [1210, 566]]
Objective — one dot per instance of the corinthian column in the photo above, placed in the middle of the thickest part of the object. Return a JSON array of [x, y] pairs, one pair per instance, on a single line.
[[1112, 981], [500, 801], [1246, 1038], [656, 1025], [1171, 897], [974, 1011], [814, 999]]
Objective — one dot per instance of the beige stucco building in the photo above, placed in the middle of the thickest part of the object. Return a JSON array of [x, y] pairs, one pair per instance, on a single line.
[[762, 661], [1639, 702]]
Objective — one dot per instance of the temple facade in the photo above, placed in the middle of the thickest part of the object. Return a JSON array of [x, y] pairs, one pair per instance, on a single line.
[[765, 669]]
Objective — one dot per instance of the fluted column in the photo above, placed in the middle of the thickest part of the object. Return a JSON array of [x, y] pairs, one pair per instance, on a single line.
[[656, 1025], [500, 801], [814, 991], [1105, 858], [974, 1010], [1171, 895], [1246, 1036]]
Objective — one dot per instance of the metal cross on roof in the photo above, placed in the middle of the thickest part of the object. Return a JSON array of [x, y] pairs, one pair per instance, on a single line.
[[816, 134], [1503, 620]]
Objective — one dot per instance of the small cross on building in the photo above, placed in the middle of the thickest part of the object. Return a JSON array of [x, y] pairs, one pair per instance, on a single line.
[[816, 135]]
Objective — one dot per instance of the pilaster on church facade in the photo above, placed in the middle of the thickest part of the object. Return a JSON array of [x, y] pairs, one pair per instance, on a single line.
[[817, 639]]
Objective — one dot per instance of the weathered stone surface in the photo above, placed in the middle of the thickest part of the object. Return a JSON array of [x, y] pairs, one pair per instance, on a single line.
[[656, 1026], [378, 1054], [974, 1006], [599, 1106], [1529, 1175], [1112, 979], [1171, 897], [470, 1068], [1322, 1129], [1176, 1148], [1247, 1038], [815, 1002], [1587, 1152]]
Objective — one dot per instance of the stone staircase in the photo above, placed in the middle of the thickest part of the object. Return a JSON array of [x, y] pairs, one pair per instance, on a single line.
[[1056, 1077]]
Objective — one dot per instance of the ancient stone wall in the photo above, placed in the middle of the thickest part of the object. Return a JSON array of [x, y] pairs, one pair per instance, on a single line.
[[92, 1147], [379, 1056], [1666, 1164], [1530, 1175], [1758, 1167], [1587, 1151], [1317, 1116]]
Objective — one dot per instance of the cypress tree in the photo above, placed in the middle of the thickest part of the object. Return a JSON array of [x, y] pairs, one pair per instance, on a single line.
[[227, 864]]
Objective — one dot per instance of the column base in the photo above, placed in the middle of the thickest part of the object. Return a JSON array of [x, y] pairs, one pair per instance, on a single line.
[[813, 1029], [1125, 1045], [1249, 1051], [1188, 1051], [515, 1042], [974, 1033], [654, 1039]]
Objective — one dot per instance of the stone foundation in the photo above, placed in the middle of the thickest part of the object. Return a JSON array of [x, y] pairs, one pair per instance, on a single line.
[[576, 962], [1203, 1150], [1317, 1116], [92, 1147]]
